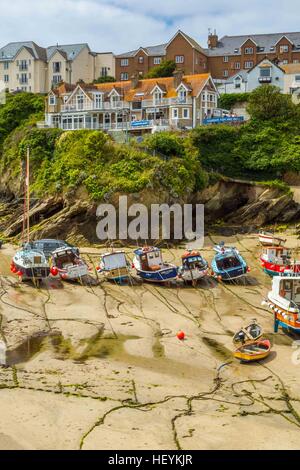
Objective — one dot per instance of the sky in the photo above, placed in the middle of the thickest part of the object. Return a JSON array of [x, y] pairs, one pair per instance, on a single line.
[[123, 25]]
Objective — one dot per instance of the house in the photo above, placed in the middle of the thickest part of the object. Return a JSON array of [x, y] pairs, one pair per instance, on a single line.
[[223, 58], [265, 72], [291, 78], [238, 83], [135, 106], [25, 66], [185, 51]]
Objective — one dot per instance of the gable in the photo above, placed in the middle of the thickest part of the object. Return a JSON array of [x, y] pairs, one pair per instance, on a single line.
[[178, 41], [249, 43], [78, 90], [25, 53]]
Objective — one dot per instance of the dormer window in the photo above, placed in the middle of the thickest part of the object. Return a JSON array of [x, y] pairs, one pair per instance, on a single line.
[[52, 100], [249, 50], [182, 94], [284, 48], [114, 100], [98, 100], [157, 96], [80, 101]]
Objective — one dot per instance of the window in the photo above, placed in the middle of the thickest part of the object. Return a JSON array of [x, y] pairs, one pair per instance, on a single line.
[[141, 60], [23, 78], [174, 113], [56, 67], [6, 78], [182, 95], [186, 113], [296, 61], [179, 59], [237, 65], [124, 62], [23, 65], [124, 76], [248, 64], [52, 100], [249, 50], [157, 60], [80, 101], [57, 79], [225, 73], [104, 72], [225, 58], [284, 49], [157, 96], [297, 78], [265, 72], [98, 100], [237, 83], [6, 65], [285, 62]]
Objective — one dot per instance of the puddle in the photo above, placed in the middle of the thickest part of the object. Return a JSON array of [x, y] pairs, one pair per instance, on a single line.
[[32, 346]]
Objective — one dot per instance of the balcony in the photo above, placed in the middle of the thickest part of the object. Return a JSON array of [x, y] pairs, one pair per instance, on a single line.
[[93, 106], [166, 102], [265, 79]]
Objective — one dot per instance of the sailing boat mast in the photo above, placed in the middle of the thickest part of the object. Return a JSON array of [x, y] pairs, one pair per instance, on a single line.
[[27, 196]]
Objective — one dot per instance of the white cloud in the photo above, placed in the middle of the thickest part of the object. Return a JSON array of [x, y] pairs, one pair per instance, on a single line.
[[120, 25]]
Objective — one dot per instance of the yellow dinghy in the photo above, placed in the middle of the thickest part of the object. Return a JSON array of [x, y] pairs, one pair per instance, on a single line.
[[255, 351]]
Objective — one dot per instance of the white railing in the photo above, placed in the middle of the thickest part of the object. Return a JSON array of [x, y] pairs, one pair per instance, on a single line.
[[165, 102], [92, 106], [124, 126]]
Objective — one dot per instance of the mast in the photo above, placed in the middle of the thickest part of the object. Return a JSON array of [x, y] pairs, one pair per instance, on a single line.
[[27, 194]]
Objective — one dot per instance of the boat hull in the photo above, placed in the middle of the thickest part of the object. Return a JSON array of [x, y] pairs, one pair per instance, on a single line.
[[284, 318], [161, 276], [73, 273], [229, 275], [245, 354], [117, 275], [34, 272], [267, 240], [190, 275], [276, 269]]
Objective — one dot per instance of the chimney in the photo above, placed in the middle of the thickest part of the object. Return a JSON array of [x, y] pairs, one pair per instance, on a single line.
[[178, 76], [135, 80], [212, 40]]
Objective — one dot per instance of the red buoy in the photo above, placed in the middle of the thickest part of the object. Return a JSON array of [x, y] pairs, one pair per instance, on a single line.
[[54, 271], [181, 335], [19, 273], [14, 270]]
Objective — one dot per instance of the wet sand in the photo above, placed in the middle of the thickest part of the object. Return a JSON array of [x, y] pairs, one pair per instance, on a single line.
[[109, 373]]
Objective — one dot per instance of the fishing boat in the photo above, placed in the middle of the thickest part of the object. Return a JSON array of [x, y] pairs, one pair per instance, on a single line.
[[114, 266], [193, 267], [29, 263], [66, 263], [255, 351], [228, 264], [284, 301], [150, 266], [249, 333], [277, 259], [268, 238]]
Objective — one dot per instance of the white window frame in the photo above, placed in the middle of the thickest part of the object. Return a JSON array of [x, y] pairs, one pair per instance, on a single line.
[[52, 100], [98, 100], [6, 65], [283, 48], [248, 64], [124, 76], [6, 78], [249, 50], [225, 73], [141, 59], [124, 62], [157, 60], [296, 61], [179, 59], [225, 58], [237, 65], [175, 111], [188, 113]]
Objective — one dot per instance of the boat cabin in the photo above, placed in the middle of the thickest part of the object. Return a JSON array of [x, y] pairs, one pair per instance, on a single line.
[[150, 258], [287, 288], [277, 254], [115, 260], [228, 261], [192, 260]]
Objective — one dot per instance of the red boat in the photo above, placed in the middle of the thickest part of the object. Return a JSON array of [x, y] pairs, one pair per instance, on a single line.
[[276, 260]]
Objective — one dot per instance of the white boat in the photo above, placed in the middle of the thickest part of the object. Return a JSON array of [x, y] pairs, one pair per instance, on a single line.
[[68, 265], [284, 301], [114, 266], [193, 266], [30, 265], [268, 238], [150, 266]]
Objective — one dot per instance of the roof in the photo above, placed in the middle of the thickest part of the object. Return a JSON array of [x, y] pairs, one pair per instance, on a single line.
[[241, 73], [192, 41], [70, 51], [144, 88], [159, 50], [291, 68], [10, 51], [227, 44]]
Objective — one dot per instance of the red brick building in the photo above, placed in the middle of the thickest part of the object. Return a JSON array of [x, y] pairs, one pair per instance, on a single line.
[[223, 57]]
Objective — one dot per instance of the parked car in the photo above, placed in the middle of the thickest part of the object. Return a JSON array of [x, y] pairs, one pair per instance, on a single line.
[[47, 246]]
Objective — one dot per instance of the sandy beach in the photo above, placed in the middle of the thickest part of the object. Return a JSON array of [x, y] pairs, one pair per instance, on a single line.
[[100, 367]]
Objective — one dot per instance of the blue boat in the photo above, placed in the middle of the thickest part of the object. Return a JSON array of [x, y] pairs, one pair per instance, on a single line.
[[228, 264], [150, 266]]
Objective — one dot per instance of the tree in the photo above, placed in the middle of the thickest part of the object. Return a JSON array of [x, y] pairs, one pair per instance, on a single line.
[[165, 69], [267, 102], [107, 79]]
